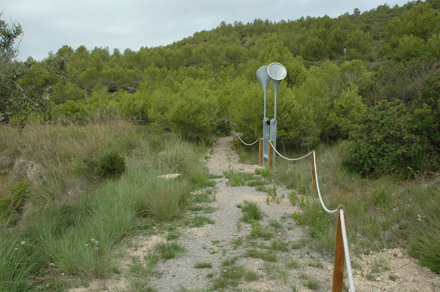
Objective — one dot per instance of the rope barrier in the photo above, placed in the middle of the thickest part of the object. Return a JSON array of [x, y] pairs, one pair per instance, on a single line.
[[341, 214], [317, 188], [344, 231], [247, 143], [289, 159]]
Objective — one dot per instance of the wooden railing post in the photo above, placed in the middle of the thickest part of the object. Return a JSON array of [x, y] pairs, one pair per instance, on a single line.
[[338, 272], [260, 160], [270, 155]]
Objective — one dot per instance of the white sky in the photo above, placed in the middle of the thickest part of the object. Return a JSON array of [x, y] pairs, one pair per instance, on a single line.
[[122, 24]]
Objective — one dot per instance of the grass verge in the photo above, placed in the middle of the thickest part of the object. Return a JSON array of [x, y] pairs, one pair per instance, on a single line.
[[75, 223]]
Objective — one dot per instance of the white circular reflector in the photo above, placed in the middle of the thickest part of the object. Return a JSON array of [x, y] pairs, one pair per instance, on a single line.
[[276, 71]]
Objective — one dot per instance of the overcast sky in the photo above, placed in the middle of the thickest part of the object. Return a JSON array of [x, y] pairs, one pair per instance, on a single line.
[[122, 24]]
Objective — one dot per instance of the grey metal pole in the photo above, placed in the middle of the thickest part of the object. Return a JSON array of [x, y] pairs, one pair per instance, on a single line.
[[277, 72]]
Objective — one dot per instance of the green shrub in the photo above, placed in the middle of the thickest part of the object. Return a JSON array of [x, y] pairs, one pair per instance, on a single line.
[[385, 142], [111, 165], [222, 128], [427, 114]]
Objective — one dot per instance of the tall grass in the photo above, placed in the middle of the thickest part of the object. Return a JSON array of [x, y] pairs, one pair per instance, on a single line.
[[179, 156], [85, 246], [157, 197], [15, 267], [77, 230], [65, 157]]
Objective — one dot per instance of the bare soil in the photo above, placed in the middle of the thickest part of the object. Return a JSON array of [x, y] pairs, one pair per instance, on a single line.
[[297, 268]]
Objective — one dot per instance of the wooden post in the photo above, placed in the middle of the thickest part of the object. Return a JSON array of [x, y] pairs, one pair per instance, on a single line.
[[315, 189], [270, 155], [260, 160], [338, 272]]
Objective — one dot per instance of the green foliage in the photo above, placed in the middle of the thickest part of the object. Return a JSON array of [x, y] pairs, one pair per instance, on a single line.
[[111, 165], [12, 203], [236, 179], [312, 284], [251, 211], [169, 250], [70, 111], [64, 92], [194, 114], [346, 112], [232, 274], [257, 230], [427, 114], [10, 71], [161, 199], [203, 265], [424, 244], [420, 21], [410, 47], [268, 256], [15, 266], [78, 246], [200, 221], [179, 156], [385, 142], [264, 172], [299, 218]]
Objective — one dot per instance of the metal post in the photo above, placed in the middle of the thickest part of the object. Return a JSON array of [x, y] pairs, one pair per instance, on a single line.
[[264, 78], [266, 131]]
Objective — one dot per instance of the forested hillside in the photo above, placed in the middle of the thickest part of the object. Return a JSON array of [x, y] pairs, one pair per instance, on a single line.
[[202, 84]]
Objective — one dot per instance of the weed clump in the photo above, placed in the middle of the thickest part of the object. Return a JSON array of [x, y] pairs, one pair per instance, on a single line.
[[111, 165], [250, 212]]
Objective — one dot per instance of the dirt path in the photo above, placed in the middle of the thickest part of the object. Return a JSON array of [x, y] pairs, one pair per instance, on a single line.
[[223, 256]]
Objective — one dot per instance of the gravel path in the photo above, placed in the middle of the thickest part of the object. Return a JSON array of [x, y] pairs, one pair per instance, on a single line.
[[213, 243]]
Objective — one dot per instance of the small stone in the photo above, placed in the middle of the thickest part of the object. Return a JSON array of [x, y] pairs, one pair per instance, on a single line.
[[378, 279], [170, 176]]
